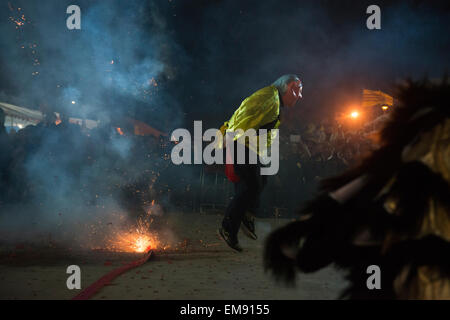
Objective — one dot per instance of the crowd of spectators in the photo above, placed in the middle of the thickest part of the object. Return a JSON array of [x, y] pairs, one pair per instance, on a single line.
[[62, 164], [317, 151], [58, 161]]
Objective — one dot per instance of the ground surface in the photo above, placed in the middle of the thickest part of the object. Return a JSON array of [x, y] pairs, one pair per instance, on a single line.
[[203, 268]]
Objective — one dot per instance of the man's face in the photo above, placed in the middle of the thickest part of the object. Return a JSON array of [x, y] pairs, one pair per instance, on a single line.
[[293, 93]]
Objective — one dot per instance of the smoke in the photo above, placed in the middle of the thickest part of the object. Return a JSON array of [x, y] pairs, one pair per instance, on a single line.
[[241, 48], [206, 56], [118, 66], [168, 63]]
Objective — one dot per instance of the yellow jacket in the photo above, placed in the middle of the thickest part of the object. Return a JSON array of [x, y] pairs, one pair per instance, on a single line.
[[256, 111]]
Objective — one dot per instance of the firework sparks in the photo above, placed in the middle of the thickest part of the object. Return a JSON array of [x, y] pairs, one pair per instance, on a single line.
[[134, 242], [139, 239], [126, 236]]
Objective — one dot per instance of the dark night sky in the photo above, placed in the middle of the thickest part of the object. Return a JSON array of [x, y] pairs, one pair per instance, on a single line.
[[206, 56]]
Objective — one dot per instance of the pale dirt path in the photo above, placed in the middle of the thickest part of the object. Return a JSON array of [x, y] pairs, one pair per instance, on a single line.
[[205, 269]]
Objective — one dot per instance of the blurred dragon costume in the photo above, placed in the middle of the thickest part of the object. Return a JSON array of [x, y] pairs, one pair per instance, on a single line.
[[393, 210]]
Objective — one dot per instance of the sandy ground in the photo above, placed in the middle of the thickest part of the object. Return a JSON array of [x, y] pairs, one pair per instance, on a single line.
[[205, 268]]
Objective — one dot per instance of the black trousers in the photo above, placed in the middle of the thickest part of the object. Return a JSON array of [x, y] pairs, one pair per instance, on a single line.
[[247, 195]]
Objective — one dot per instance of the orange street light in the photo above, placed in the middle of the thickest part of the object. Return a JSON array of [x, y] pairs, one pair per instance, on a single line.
[[354, 114]]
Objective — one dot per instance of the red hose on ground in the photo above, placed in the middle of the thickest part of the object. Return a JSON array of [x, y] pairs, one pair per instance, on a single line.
[[100, 283]]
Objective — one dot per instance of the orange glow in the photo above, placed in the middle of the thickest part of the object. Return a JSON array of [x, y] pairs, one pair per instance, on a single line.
[[143, 244], [119, 233], [136, 239], [385, 108], [119, 131], [354, 114], [134, 242]]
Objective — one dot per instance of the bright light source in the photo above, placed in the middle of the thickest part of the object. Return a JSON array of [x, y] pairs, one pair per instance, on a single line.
[[385, 108], [354, 114], [73, 102]]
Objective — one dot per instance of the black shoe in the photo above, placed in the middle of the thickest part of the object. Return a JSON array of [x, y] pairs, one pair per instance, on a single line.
[[225, 236], [248, 227]]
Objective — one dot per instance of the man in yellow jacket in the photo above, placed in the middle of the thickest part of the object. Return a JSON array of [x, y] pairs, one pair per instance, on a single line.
[[261, 110]]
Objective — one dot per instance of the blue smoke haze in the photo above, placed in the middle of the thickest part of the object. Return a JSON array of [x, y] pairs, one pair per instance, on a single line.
[[206, 56], [168, 63], [111, 67]]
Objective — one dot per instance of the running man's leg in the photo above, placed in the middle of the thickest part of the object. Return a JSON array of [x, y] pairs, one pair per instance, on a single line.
[[246, 194]]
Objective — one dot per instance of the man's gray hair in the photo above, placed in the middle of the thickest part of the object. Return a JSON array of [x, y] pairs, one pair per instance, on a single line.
[[282, 82]]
